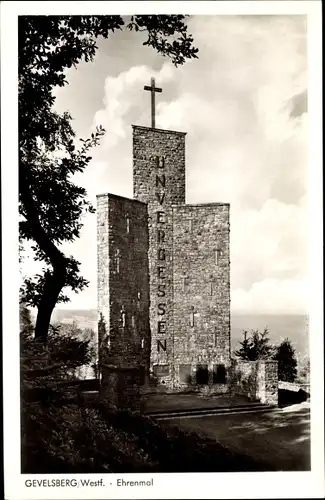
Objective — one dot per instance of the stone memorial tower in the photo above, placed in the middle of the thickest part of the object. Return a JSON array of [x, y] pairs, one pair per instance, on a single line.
[[164, 272]]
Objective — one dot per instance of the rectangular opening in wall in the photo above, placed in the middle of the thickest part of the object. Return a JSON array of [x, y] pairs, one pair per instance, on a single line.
[[185, 374], [219, 374], [142, 375], [202, 374], [161, 370]]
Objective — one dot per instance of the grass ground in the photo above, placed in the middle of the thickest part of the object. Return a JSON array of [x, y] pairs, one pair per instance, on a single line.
[[279, 439], [67, 438], [63, 436]]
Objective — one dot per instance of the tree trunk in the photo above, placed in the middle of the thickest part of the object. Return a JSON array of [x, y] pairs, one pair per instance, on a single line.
[[52, 288], [56, 280]]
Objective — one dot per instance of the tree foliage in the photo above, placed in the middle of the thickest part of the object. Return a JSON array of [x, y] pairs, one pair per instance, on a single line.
[[287, 362], [47, 365], [51, 205], [25, 320], [50, 395], [304, 372], [255, 346]]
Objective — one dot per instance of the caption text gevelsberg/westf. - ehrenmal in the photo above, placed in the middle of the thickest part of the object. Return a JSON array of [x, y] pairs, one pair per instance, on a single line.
[[83, 483]]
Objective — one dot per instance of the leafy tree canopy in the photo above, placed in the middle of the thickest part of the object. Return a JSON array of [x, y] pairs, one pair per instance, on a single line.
[[51, 205], [255, 346], [287, 362]]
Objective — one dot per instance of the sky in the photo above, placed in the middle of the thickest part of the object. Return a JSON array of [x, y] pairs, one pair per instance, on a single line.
[[243, 105]]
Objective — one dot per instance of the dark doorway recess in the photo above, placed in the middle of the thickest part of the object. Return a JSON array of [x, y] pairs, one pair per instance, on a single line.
[[219, 374], [202, 375]]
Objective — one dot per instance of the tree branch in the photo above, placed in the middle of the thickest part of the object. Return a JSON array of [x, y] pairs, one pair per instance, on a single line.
[[46, 245]]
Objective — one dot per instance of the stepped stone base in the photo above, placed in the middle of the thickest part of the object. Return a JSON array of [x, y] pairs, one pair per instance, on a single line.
[[171, 402]]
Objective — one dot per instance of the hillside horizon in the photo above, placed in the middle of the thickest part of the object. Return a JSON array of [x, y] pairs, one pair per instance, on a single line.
[[236, 312], [280, 326]]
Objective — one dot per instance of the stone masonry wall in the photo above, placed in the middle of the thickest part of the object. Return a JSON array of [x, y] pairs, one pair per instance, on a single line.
[[159, 181], [164, 285], [201, 295], [244, 378], [258, 380], [103, 282], [123, 292], [267, 382]]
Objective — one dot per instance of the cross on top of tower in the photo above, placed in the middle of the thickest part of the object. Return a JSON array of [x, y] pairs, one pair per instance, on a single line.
[[153, 89]]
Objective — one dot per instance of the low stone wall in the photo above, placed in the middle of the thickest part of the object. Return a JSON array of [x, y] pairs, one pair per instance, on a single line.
[[267, 382], [243, 378], [120, 387], [294, 386], [205, 390], [258, 380]]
